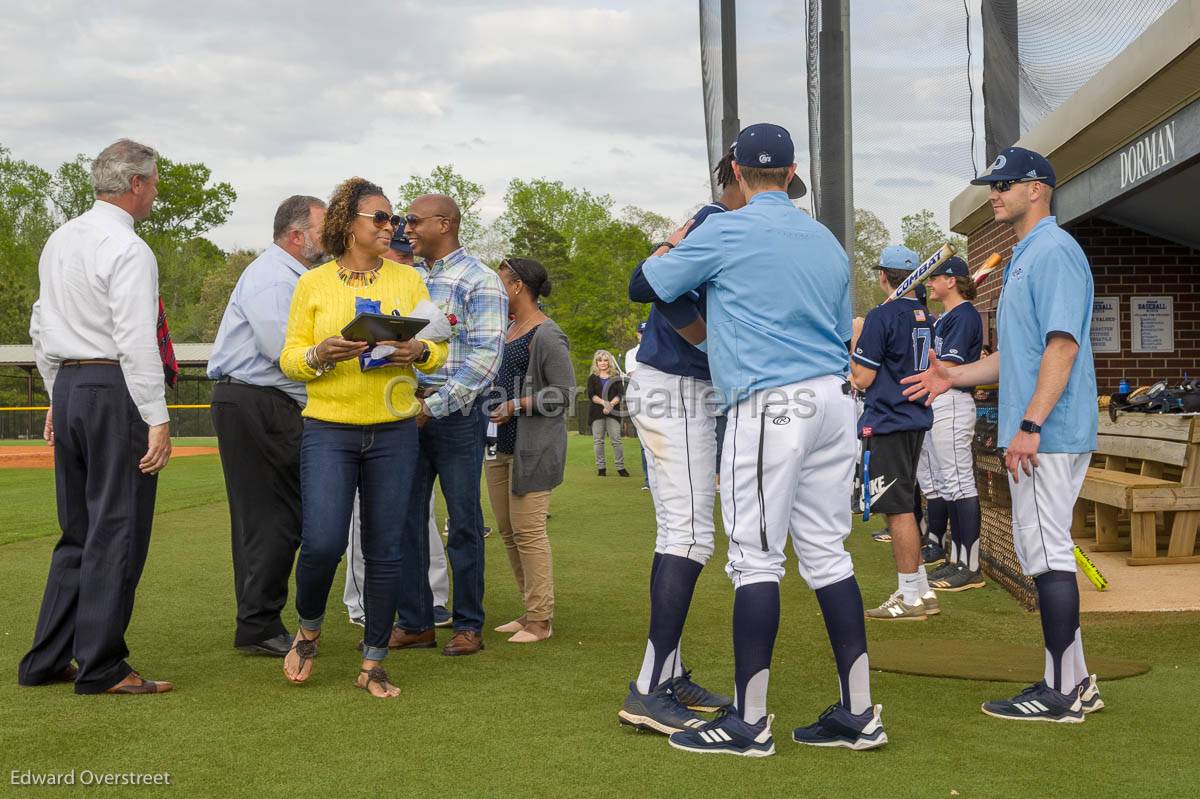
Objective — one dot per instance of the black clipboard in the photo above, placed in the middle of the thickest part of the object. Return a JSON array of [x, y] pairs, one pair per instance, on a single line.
[[375, 327]]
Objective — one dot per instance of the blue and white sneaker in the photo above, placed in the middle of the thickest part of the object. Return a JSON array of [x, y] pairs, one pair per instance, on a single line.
[[658, 710], [696, 697], [1089, 695], [1039, 702], [728, 735], [839, 727]]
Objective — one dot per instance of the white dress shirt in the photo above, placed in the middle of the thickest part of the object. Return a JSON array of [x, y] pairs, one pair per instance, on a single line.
[[99, 299]]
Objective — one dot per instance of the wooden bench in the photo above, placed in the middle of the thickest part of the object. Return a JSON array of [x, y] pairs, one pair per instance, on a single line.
[[1148, 466]]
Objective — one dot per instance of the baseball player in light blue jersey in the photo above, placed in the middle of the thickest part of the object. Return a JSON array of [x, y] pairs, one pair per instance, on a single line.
[[1048, 419], [778, 338]]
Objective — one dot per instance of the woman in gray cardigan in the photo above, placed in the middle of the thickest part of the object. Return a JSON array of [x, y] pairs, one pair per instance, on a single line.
[[533, 393]]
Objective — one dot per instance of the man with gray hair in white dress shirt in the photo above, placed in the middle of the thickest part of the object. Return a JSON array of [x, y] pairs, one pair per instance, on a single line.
[[256, 413], [94, 331]]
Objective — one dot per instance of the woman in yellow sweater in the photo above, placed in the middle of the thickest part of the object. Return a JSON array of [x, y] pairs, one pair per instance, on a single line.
[[359, 430]]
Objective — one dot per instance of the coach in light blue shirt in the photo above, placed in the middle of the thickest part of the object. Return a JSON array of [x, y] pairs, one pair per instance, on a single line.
[[766, 262], [256, 413], [1047, 290]]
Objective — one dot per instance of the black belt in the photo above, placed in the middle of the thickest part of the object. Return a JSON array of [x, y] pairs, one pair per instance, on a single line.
[[233, 381]]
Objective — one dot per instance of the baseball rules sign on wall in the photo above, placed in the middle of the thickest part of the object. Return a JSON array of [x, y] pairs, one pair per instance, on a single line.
[[1152, 324]]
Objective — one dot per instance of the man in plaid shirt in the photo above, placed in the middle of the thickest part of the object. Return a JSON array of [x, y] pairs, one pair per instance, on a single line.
[[452, 425]]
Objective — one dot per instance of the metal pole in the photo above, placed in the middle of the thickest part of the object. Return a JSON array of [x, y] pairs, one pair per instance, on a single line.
[[730, 125], [837, 173], [1001, 77]]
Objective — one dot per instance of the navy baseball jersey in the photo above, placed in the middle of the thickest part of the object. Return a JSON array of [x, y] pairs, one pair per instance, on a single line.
[[895, 342], [661, 346], [958, 334]]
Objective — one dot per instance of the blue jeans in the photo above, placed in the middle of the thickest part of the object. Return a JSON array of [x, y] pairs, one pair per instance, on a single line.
[[380, 461], [451, 451]]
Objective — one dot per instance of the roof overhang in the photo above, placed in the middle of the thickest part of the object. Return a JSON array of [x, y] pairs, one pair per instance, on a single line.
[[1132, 101]]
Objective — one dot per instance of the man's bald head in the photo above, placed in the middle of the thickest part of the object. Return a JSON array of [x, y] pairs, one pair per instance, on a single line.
[[435, 233]]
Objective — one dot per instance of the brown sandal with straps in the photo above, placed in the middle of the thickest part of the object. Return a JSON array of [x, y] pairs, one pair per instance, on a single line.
[[376, 674], [306, 650]]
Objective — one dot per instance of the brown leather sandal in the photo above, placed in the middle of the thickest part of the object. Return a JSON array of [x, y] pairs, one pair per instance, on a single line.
[[306, 648], [143, 687], [375, 674]]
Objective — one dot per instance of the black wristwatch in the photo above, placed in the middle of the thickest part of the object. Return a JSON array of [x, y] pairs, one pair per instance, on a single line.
[[662, 244], [424, 353], [1029, 427]]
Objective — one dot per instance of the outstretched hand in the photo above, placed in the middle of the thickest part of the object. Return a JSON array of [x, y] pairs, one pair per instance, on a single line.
[[930, 384]]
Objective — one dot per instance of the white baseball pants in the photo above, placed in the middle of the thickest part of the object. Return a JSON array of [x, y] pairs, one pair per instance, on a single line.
[[787, 467]]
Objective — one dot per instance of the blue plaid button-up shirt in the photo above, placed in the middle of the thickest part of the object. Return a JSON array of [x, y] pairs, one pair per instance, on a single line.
[[460, 284]]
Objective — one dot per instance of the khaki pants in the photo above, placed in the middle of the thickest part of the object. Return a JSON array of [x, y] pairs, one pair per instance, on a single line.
[[522, 522]]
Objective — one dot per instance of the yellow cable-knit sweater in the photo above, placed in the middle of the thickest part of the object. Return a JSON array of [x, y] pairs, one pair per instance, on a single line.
[[321, 306]]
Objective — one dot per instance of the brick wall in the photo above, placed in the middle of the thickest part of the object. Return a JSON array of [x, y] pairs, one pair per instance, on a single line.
[[1125, 263]]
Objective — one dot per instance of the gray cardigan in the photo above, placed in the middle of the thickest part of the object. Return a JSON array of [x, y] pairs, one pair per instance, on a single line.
[[540, 455]]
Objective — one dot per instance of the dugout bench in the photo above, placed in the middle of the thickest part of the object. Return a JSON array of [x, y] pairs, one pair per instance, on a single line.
[[1143, 488]]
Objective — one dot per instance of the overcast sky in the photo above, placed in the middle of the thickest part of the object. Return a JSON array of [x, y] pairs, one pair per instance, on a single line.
[[282, 98]]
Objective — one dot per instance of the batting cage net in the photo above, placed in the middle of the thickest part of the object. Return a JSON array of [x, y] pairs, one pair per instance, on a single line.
[[1062, 44]]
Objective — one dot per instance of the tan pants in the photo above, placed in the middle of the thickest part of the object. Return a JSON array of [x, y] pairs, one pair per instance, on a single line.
[[522, 523]]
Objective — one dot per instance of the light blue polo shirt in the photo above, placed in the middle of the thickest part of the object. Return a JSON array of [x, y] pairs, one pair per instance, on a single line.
[[1047, 289], [778, 295]]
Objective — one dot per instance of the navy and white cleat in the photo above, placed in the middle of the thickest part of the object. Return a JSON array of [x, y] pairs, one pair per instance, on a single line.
[[658, 710], [696, 697], [728, 735], [839, 727], [1089, 695], [1039, 702]]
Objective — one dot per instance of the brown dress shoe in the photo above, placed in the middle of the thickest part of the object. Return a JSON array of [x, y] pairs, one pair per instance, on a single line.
[[464, 642], [403, 639]]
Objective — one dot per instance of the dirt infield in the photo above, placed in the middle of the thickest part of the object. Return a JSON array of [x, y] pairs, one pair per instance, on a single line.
[[42, 457]]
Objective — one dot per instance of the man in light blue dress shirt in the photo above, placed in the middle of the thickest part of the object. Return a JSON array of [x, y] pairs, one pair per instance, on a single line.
[[256, 413]]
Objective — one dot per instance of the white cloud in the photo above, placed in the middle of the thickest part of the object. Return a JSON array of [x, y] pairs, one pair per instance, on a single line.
[[279, 98]]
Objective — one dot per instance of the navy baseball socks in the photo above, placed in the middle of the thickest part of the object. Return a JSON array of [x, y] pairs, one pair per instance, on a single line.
[[1066, 685], [961, 572], [664, 697], [745, 731], [853, 723]]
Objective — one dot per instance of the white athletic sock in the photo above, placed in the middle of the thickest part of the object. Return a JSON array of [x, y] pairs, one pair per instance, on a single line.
[[677, 662], [860, 686], [645, 675], [1081, 669], [756, 697], [924, 578], [910, 587]]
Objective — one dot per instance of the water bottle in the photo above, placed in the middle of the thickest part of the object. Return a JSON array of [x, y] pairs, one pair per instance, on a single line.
[[489, 450], [1123, 388]]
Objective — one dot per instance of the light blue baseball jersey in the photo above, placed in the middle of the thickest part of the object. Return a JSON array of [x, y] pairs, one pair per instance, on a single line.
[[1047, 289], [778, 295]]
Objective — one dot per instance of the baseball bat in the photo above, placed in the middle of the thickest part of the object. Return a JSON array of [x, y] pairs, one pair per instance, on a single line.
[[921, 272], [866, 475], [1089, 570], [988, 267]]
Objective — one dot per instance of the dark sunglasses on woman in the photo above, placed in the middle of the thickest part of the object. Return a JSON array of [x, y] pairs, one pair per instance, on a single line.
[[383, 218]]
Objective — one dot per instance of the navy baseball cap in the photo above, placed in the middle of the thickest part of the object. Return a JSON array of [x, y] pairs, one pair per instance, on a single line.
[[767, 146], [1018, 164], [899, 257], [953, 266], [641, 328], [400, 242]]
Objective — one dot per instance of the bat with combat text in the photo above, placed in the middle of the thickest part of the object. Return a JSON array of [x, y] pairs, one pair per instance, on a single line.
[[922, 272]]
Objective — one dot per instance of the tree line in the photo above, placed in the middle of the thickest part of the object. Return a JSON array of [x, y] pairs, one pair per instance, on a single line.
[[588, 245]]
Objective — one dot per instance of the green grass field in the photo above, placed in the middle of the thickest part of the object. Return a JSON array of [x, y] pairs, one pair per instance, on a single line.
[[541, 720]]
